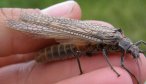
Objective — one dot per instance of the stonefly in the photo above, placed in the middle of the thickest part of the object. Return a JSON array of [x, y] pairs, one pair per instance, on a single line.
[[76, 37]]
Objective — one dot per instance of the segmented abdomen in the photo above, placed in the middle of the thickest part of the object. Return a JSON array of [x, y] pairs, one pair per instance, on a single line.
[[56, 52]]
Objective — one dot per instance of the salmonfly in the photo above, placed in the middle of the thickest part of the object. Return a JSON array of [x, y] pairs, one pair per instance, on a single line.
[[76, 37]]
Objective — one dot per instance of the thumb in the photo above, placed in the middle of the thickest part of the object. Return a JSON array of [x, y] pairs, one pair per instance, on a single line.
[[13, 42]]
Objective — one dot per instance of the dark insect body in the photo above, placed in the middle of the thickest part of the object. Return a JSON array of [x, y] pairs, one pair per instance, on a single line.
[[93, 38]]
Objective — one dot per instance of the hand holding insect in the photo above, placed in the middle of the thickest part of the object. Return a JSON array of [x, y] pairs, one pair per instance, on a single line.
[[50, 72]]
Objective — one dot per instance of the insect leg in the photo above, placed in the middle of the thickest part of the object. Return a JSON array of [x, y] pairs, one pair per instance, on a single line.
[[123, 66], [79, 64], [106, 57], [78, 60]]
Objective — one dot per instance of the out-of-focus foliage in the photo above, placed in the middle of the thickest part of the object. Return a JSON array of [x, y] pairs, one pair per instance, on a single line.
[[130, 15]]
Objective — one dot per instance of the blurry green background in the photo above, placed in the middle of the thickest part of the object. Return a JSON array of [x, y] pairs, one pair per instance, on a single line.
[[130, 15]]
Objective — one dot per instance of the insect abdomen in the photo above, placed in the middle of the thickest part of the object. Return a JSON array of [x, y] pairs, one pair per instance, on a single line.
[[56, 52]]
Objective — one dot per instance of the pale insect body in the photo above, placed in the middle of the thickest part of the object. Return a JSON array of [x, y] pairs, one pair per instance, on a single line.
[[62, 29]]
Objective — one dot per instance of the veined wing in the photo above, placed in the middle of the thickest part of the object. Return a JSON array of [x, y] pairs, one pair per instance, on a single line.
[[64, 28], [41, 19], [99, 34], [98, 31], [48, 32]]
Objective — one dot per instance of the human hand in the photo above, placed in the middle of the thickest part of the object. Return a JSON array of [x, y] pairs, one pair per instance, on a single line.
[[96, 70]]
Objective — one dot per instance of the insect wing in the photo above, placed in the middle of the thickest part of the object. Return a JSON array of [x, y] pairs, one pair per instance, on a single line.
[[83, 27], [64, 28]]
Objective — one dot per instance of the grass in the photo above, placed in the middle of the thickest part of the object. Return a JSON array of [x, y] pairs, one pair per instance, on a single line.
[[129, 15]]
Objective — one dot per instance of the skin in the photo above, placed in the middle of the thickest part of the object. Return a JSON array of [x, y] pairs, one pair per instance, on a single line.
[[21, 69]]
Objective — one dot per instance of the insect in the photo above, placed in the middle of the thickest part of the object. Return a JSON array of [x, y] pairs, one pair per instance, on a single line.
[[83, 37]]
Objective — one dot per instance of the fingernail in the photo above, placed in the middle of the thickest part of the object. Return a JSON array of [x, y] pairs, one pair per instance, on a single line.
[[59, 9]]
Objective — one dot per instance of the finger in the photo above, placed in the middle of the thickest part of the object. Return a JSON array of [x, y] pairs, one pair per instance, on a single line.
[[61, 70], [100, 76], [18, 58], [73, 10], [115, 60], [13, 42], [133, 67]]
